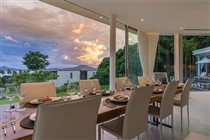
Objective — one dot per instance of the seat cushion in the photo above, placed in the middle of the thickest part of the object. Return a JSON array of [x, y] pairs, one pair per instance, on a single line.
[[114, 127], [177, 100], [154, 111]]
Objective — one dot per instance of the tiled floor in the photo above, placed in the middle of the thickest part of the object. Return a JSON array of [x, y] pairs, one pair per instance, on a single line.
[[197, 129]]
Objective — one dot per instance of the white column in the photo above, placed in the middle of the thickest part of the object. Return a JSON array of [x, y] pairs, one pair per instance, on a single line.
[[178, 56], [112, 65], [198, 67]]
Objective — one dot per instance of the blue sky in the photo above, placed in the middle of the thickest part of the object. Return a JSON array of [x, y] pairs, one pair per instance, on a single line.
[[68, 39]]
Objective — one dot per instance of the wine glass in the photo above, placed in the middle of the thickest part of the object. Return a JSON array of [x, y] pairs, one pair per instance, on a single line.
[[159, 81], [93, 86], [171, 78], [10, 94], [21, 96]]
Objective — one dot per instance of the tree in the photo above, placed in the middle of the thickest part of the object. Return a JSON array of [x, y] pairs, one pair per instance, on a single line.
[[35, 61]]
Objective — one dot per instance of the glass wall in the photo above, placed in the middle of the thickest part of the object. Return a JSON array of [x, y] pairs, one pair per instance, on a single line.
[[134, 64], [164, 61], [195, 49]]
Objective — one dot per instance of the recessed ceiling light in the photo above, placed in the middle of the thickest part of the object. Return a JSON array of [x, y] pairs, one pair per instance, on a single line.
[[180, 27], [101, 17], [142, 19]]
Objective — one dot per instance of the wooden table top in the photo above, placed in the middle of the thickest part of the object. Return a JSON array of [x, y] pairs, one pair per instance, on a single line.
[[104, 114]]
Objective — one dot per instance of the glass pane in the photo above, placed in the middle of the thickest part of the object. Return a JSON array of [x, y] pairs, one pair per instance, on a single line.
[[134, 65]]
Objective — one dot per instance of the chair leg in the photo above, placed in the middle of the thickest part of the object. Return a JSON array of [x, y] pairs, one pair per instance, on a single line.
[[188, 113], [181, 119], [160, 129], [147, 136], [172, 125], [99, 133]]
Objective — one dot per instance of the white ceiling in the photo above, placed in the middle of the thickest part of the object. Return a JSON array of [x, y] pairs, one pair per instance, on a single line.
[[162, 16]]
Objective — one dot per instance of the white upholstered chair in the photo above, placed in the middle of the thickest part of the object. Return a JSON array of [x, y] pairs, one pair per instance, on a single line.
[[74, 119], [163, 76], [143, 80], [89, 85], [120, 82], [183, 99], [135, 120], [36, 90], [166, 107]]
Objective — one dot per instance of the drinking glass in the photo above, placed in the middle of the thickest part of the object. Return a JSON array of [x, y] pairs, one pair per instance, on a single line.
[[10, 94], [159, 81], [93, 86], [21, 96], [171, 78]]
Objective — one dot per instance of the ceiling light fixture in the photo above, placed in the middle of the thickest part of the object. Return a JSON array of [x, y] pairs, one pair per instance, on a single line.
[[180, 27], [142, 19], [101, 17]]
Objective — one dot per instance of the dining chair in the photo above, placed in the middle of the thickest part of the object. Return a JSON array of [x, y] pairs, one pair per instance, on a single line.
[[85, 86], [183, 99], [143, 80], [162, 75], [36, 90], [166, 106], [95, 83], [135, 120], [74, 119], [120, 82]]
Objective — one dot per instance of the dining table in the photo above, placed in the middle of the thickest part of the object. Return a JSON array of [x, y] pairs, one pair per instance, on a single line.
[[105, 113]]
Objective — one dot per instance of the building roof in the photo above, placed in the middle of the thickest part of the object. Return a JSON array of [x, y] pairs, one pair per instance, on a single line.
[[202, 52]]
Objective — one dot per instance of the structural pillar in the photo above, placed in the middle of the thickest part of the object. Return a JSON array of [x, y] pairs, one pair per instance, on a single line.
[[198, 67], [112, 61], [178, 56]]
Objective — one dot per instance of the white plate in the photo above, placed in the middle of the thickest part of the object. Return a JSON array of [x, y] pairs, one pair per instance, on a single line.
[[35, 101], [33, 116], [114, 100]]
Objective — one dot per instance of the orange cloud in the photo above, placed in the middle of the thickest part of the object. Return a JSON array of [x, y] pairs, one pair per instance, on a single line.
[[79, 29]]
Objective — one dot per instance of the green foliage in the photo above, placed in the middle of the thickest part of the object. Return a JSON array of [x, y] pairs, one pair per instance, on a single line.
[[42, 76], [35, 61]]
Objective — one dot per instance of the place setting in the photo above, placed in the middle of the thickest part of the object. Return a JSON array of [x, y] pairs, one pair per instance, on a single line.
[[117, 100]]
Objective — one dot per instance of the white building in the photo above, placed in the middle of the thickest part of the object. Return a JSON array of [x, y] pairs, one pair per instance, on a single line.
[[74, 74]]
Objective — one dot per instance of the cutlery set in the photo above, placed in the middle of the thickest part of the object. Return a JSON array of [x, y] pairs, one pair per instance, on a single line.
[[12, 122]]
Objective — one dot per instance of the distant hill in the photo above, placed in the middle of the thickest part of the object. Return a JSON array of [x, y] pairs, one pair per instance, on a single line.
[[7, 68], [77, 68]]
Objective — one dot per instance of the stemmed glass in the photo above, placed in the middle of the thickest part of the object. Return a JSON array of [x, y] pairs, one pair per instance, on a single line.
[[21, 96], [10, 94], [159, 81], [93, 86], [171, 78]]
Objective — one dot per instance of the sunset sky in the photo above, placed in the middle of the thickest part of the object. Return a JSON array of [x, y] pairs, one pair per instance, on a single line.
[[67, 38]]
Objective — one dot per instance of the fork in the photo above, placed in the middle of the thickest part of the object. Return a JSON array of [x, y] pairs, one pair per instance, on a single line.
[[13, 122], [4, 126]]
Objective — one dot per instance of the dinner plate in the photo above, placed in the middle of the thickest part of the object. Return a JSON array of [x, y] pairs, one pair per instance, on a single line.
[[114, 100], [35, 101], [33, 116]]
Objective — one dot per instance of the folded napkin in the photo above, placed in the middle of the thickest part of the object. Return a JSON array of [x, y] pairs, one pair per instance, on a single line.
[[120, 97], [44, 99]]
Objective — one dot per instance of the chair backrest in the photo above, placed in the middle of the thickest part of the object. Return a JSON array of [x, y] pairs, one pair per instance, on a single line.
[[36, 90], [186, 92], [136, 115], [85, 86], [166, 107], [74, 119], [163, 76], [88, 85], [95, 83], [120, 82], [143, 80]]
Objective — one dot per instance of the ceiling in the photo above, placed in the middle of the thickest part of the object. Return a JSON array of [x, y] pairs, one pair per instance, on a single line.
[[162, 16]]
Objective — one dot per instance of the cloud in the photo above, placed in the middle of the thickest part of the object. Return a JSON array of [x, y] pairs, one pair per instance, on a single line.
[[11, 39], [27, 44], [79, 29], [58, 33]]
